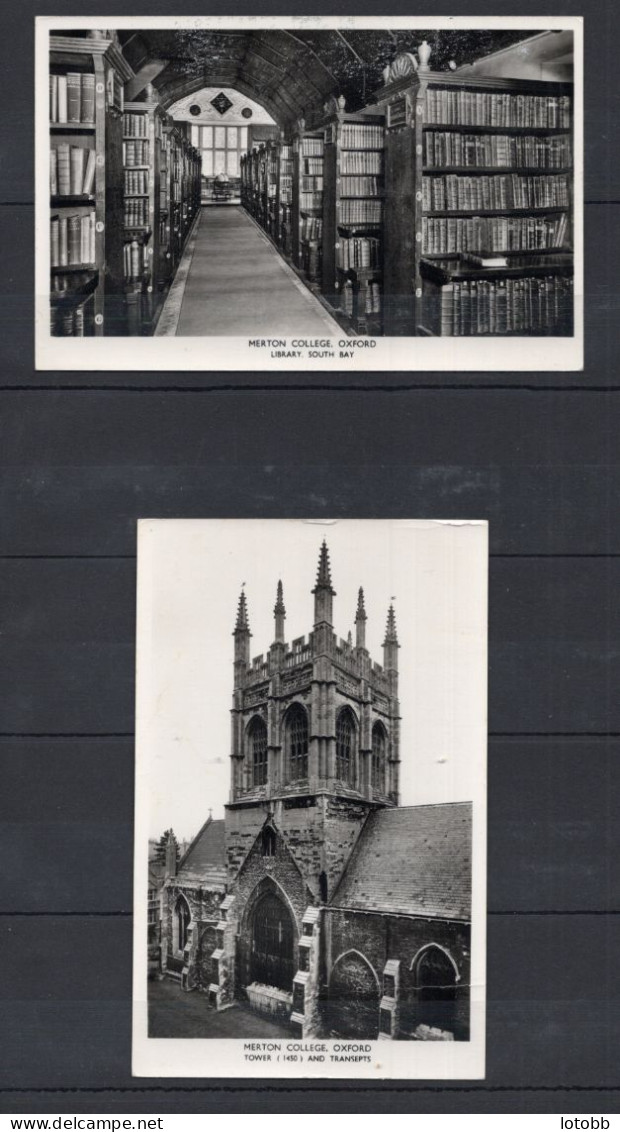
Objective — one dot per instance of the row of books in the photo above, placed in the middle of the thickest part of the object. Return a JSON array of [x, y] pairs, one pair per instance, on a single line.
[[505, 306], [72, 98], [310, 200], [359, 186], [135, 153], [135, 125], [72, 239], [360, 161], [478, 108], [368, 299], [357, 135], [70, 322], [360, 211], [136, 181], [134, 259], [286, 188], [286, 153], [72, 170], [311, 184], [359, 251], [501, 150], [493, 233], [312, 166], [454, 193], [312, 147], [311, 228], [136, 213]]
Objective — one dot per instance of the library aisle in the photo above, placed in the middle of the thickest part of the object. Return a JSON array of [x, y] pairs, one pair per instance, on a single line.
[[215, 292]]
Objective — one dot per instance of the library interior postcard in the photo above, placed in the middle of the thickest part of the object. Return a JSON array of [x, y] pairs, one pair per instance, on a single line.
[[310, 872], [309, 193]]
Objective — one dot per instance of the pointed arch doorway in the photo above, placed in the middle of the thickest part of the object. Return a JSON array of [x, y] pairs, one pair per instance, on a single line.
[[272, 943]]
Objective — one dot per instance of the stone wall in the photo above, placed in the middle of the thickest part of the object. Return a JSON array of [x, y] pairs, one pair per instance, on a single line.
[[382, 937]]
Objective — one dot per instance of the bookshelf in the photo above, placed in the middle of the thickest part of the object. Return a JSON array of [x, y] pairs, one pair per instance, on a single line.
[[183, 178], [476, 167], [143, 166], [86, 186], [284, 196], [270, 212], [353, 217], [307, 203]]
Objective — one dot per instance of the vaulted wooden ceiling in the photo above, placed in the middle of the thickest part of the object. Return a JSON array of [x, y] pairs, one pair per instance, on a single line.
[[290, 72]]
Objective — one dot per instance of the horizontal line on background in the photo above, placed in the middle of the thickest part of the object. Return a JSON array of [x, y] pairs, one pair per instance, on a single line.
[[280, 387], [131, 735], [132, 557], [318, 1085]]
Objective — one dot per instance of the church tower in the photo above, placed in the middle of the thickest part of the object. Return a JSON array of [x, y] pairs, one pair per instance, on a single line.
[[315, 737]]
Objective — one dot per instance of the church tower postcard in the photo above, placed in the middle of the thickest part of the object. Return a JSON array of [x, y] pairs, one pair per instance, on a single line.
[[310, 799]]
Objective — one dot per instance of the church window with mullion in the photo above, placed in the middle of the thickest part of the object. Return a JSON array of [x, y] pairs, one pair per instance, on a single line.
[[378, 758], [345, 748], [258, 751], [297, 743]]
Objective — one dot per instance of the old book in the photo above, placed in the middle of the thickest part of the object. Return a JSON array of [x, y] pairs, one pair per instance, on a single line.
[[62, 98], [53, 172], [88, 98], [77, 169], [74, 97], [53, 98], [63, 169], [54, 242], [63, 242], [88, 183], [74, 224]]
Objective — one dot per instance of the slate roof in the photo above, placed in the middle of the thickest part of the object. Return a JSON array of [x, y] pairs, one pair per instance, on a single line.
[[206, 856], [415, 860]]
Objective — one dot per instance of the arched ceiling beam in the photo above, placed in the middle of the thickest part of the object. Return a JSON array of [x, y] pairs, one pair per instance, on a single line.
[[144, 76], [317, 57]]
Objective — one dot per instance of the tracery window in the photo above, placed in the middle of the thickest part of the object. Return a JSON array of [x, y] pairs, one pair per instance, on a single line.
[[257, 735], [379, 744], [297, 742], [345, 747]]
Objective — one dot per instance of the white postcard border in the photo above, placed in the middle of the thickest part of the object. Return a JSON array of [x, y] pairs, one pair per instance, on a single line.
[[421, 354], [221, 1058]]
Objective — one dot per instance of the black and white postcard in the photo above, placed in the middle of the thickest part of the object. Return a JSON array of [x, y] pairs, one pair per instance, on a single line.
[[282, 194], [310, 799]]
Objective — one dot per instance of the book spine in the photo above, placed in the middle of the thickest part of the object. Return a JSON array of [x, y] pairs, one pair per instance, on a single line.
[[88, 98], [63, 170], [76, 170], [54, 242], [53, 172], [62, 98], [88, 184], [73, 237], [53, 98], [63, 242], [74, 97]]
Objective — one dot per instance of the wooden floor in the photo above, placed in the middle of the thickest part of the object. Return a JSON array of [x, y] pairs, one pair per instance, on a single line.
[[232, 282]]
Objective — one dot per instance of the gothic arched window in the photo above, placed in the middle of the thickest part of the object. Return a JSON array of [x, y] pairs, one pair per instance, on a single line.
[[182, 918], [297, 742], [345, 747], [377, 770], [257, 735]]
